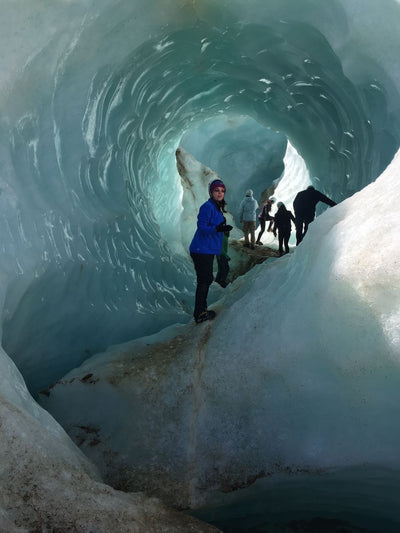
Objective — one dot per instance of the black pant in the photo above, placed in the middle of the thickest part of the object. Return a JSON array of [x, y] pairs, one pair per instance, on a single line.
[[223, 268], [283, 239], [262, 226], [203, 264], [302, 222]]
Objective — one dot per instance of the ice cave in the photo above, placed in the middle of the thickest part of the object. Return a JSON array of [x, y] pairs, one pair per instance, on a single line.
[[118, 413]]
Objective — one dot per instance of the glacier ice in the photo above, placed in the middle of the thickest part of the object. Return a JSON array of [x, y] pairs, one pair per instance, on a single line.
[[80, 218], [47, 484], [96, 98], [297, 375]]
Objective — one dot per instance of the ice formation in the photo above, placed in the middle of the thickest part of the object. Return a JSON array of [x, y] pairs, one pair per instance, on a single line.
[[298, 375], [95, 220]]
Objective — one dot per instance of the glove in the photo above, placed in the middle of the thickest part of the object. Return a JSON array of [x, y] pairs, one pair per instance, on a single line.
[[223, 227]]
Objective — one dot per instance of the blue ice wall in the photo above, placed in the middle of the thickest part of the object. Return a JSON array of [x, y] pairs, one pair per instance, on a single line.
[[98, 104]]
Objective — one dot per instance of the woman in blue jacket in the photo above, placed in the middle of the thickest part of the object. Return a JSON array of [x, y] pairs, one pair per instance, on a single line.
[[207, 242]]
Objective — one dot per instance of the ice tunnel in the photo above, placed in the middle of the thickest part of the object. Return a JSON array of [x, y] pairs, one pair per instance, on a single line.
[[96, 216], [93, 110]]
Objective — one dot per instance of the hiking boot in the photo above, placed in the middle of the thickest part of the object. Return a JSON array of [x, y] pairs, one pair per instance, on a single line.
[[205, 315], [222, 283], [246, 245]]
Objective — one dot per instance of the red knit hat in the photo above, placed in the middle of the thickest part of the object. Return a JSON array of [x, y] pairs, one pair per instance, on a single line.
[[214, 184]]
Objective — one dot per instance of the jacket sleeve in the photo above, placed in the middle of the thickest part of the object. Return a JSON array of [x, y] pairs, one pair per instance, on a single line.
[[325, 199]]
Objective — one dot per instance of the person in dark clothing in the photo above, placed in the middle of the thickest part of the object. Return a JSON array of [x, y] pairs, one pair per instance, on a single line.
[[263, 217], [223, 263], [304, 209], [283, 224], [207, 242]]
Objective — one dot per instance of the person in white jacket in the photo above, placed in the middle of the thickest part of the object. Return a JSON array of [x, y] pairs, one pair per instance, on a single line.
[[247, 215]]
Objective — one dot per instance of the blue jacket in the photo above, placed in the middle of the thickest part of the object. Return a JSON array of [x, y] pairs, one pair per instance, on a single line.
[[207, 240]]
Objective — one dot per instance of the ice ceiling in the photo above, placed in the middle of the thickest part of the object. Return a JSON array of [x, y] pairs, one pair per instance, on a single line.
[[97, 96]]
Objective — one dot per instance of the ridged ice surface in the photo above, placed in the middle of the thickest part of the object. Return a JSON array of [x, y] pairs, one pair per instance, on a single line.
[[95, 219], [93, 110]]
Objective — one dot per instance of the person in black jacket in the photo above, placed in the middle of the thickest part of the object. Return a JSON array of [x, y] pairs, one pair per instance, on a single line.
[[283, 224], [304, 209], [263, 217]]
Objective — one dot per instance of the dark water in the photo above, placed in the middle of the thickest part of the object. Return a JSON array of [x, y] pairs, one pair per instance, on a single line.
[[358, 500]]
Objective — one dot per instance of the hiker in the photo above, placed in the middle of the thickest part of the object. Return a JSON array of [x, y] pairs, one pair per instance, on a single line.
[[223, 262], [263, 217], [283, 224], [304, 209], [247, 216], [207, 242]]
